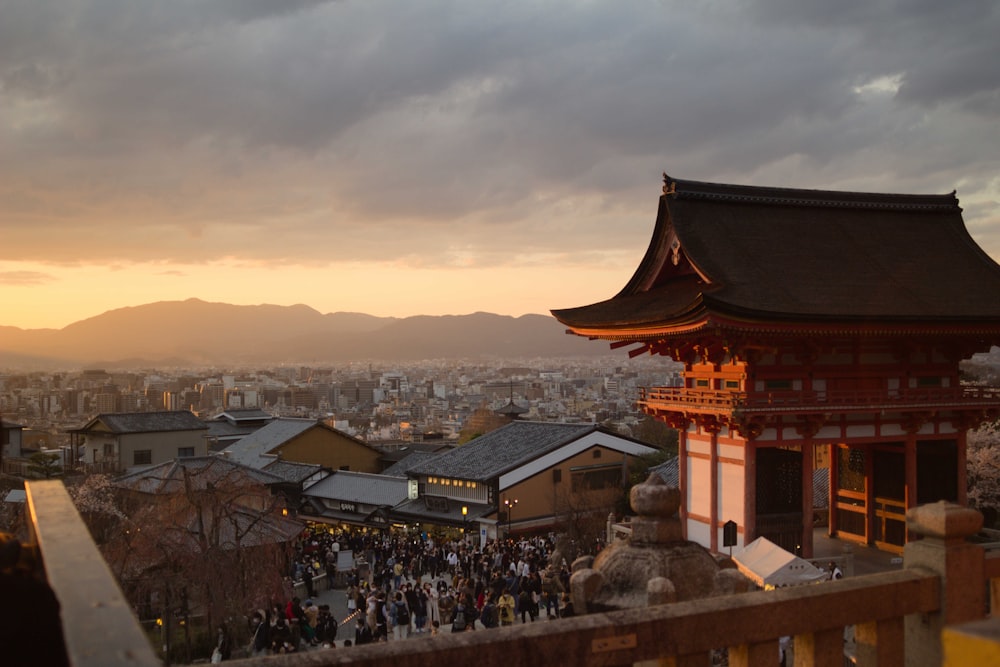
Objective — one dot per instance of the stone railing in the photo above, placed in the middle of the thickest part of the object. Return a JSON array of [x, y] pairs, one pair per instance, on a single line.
[[897, 617]]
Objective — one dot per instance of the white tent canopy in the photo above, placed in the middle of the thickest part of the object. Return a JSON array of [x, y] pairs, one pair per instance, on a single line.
[[770, 566]]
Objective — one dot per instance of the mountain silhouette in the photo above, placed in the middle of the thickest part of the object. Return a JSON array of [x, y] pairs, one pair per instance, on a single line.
[[199, 333]]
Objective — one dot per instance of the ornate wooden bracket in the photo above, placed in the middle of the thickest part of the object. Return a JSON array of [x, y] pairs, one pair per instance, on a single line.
[[751, 427], [710, 423], [912, 422], [809, 425]]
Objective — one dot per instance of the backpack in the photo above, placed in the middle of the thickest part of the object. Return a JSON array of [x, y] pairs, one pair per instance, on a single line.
[[458, 623], [402, 614], [489, 617]]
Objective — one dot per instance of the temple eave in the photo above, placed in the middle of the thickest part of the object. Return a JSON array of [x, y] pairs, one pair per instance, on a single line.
[[653, 332]]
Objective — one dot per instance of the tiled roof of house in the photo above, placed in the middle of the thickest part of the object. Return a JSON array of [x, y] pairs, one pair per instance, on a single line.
[[147, 422], [669, 472], [412, 459], [502, 450], [169, 477], [360, 487], [251, 450], [292, 471]]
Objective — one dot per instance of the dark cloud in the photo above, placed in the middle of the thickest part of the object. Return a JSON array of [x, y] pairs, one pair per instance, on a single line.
[[432, 132]]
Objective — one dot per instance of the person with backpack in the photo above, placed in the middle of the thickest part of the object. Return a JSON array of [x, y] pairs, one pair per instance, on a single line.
[[490, 615], [399, 616], [459, 618]]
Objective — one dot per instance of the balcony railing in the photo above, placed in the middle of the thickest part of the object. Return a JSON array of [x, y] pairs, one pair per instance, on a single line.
[[708, 400], [897, 617]]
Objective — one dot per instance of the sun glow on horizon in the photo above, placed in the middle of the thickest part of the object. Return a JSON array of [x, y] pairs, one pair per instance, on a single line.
[[40, 296]]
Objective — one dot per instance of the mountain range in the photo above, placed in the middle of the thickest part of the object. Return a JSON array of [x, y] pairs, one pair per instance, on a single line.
[[198, 333]]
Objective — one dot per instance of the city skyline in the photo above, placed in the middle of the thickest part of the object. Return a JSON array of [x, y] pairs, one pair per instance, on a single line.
[[448, 158]]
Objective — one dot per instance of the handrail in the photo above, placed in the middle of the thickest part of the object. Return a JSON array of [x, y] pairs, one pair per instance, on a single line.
[[99, 627], [828, 400]]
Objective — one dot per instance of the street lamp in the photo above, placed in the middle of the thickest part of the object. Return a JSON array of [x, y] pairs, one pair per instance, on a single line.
[[465, 514], [510, 505]]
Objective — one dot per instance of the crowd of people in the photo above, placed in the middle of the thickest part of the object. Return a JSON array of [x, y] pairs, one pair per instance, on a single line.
[[407, 585]]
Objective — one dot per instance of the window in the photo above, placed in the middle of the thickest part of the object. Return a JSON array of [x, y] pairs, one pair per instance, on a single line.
[[597, 453], [183, 452], [778, 385], [141, 457]]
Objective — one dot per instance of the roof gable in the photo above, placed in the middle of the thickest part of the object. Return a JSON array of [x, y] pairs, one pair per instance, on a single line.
[[250, 449]]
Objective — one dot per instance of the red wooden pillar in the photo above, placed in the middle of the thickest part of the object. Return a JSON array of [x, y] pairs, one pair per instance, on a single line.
[[713, 507], [807, 498], [960, 453], [834, 485], [682, 477], [749, 493], [869, 494], [910, 458], [910, 464]]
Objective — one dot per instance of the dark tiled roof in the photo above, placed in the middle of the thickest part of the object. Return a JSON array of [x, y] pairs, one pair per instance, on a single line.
[[169, 477], [411, 460], [252, 449], [669, 472], [292, 471], [503, 449], [778, 254], [418, 510], [361, 487], [148, 422]]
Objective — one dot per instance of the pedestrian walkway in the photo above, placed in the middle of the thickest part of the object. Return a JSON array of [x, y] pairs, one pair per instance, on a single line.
[[347, 619], [864, 559]]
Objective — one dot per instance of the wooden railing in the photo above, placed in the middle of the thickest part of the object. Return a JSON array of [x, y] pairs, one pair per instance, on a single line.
[[897, 617], [709, 400]]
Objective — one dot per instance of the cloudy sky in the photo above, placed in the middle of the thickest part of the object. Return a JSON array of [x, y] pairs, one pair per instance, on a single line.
[[403, 158]]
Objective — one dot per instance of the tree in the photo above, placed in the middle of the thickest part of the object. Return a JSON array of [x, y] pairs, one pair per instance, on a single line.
[[96, 499], [657, 434], [212, 540], [983, 469], [44, 465], [581, 513]]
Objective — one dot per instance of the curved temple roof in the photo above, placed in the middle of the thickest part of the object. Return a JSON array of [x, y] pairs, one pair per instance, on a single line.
[[731, 253]]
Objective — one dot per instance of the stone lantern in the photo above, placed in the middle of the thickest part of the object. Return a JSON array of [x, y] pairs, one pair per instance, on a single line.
[[655, 565]]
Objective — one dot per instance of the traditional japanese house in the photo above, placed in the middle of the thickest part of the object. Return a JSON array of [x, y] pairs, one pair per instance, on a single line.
[[809, 322]]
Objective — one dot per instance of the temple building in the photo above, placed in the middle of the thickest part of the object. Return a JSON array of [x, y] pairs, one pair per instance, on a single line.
[[816, 329]]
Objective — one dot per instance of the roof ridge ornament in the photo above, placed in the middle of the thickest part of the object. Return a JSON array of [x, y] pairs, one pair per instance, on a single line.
[[669, 185]]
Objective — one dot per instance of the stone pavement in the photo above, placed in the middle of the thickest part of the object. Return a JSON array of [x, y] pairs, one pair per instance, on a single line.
[[863, 559]]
